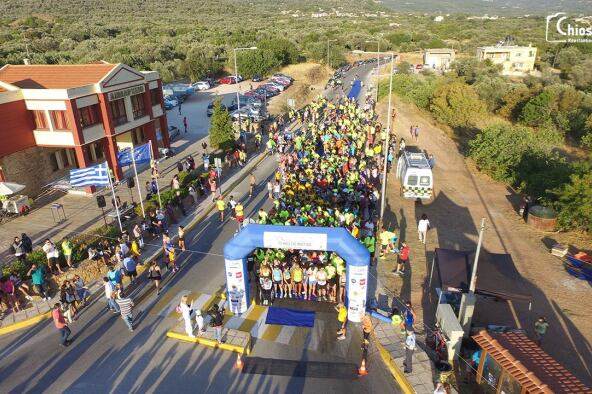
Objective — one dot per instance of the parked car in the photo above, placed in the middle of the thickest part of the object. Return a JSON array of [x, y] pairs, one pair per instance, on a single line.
[[282, 81], [283, 76], [265, 93], [277, 85], [174, 132], [172, 100], [201, 85], [270, 87], [227, 80], [257, 78], [168, 105], [211, 81], [248, 111], [210, 109]]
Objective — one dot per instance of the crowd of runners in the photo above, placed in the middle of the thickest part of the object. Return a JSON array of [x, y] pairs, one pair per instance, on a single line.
[[329, 174]]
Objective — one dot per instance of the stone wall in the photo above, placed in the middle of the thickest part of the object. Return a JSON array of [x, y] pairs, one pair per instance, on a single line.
[[31, 167]]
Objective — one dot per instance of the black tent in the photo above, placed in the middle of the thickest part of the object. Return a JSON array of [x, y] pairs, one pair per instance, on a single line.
[[496, 274]]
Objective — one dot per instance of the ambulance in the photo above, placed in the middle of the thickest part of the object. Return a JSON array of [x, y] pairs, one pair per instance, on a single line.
[[415, 176]]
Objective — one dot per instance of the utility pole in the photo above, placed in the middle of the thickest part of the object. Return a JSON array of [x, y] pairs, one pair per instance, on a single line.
[[473, 284], [468, 300]]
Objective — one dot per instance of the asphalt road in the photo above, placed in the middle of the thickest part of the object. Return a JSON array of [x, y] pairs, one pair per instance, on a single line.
[[106, 358]]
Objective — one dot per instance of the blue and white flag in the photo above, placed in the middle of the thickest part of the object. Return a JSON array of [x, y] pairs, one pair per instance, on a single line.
[[141, 155], [90, 176]]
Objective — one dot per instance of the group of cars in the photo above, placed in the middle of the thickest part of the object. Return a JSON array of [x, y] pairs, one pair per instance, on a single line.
[[253, 102]]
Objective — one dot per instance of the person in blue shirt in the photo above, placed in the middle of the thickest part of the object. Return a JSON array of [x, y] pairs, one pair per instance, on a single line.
[[130, 269], [114, 277], [37, 274]]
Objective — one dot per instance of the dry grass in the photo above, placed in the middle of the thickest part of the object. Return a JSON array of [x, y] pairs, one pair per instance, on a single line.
[[309, 81]]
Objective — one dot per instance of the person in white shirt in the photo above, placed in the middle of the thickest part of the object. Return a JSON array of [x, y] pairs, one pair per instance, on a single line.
[[422, 228], [409, 349], [188, 314]]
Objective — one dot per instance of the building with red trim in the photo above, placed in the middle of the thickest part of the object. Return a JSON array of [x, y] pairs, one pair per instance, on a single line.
[[57, 117]]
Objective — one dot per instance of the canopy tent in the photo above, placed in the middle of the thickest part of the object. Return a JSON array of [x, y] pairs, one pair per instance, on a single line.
[[496, 274], [9, 188], [355, 90]]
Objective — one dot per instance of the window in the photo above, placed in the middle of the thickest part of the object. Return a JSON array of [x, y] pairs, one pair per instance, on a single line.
[[40, 120], [424, 181], [412, 180], [96, 151], [60, 120], [138, 105], [491, 374], [530, 54], [137, 136], [89, 115], [154, 96], [118, 113]]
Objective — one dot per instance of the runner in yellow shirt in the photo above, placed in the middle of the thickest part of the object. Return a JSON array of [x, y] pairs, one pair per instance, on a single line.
[[221, 207]]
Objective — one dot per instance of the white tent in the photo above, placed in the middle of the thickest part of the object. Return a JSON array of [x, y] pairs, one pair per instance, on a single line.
[[8, 188]]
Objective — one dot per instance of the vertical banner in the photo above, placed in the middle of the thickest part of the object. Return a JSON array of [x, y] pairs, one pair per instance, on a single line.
[[357, 289], [236, 275]]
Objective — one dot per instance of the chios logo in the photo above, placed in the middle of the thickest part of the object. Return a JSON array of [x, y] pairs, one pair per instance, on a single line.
[[563, 28]]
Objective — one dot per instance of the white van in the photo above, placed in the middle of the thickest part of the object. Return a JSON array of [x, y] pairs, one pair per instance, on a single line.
[[415, 176]]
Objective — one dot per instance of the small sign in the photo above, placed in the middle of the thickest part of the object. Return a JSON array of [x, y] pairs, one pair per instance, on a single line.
[[302, 241], [119, 94]]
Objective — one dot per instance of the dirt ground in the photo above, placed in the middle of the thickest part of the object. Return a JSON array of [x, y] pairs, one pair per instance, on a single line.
[[463, 197], [309, 82]]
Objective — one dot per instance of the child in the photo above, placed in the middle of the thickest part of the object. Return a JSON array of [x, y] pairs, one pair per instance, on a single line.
[[172, 264]]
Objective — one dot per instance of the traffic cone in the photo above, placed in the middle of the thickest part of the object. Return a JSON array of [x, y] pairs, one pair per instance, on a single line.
[[362, 370], [239, 362]]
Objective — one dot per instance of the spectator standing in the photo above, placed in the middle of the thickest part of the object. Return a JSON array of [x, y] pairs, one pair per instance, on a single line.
[[221, 207], [270, 190], [409, 349], [52, 254], [341, 320], [67, 250], [27, 243], [114, 276], [129, 264], [188, 315], [193, 194], [18, 249], [217, 322], [422, 228], [431, 161], [138, 235], [110, 296], [81, 291], [184, 122], [37, 275], [409, 317], [540, 330], [181, 234], [179, 108], [125, 306], [60, 323]]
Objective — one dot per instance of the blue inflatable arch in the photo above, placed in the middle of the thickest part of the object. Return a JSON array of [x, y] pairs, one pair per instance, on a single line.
[[339, 240]]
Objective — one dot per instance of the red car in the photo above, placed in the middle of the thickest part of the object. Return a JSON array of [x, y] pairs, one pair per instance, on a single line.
[[231, 80]]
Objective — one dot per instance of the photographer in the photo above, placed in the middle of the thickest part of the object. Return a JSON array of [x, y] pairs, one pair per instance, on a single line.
[[217, 321]]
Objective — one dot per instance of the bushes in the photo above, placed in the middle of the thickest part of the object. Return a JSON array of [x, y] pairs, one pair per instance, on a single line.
[[80, 245], [457, 105], [574, 199]]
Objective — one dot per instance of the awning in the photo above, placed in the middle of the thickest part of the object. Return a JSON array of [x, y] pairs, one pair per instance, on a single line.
[[10, 188], [496, 274]]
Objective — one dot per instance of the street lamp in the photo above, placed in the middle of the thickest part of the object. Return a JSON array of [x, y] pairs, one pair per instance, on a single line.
[[328, 56], [236, 79], [377, 66], [388, 134]]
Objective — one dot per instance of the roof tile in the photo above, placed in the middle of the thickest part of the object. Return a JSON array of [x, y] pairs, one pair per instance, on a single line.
[[59, 76]]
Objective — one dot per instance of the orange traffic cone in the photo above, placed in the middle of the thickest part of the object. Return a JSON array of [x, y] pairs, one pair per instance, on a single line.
[[239, 362], [362, 370]]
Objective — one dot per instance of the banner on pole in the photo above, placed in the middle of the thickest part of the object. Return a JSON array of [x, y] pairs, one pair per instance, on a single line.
[[141, 155]]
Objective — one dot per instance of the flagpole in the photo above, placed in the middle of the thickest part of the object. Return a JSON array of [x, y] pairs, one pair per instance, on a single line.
[[138, 181], [156, 178], [114, 197]]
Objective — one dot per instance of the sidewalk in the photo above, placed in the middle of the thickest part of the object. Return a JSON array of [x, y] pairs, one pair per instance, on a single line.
[[40, 309]]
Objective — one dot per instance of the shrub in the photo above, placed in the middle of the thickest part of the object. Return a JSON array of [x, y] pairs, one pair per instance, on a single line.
[[538, 110], [221, 130], [574, 199], [457, 105]]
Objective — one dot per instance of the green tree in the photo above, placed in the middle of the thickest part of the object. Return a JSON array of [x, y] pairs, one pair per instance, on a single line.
[[581, 75], [574, 199], [538, 110], [492, 91], [457, 105], [221, 130], [513, 102]]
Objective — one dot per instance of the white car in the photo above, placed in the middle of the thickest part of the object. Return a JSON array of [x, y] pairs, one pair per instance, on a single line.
[[201, 85], [277, 85]]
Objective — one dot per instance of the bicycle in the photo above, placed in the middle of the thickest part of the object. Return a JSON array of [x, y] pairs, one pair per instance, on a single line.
[[437, 342]]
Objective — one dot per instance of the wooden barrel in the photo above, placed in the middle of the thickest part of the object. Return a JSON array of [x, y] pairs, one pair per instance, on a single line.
[[542, 218]]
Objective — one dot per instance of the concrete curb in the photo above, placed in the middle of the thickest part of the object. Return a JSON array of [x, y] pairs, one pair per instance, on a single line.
[[243, 350], [145, 291], [25, 323], [393, 368]]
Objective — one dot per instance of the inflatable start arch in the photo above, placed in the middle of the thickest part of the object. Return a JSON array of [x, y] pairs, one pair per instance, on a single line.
[[339, 240]]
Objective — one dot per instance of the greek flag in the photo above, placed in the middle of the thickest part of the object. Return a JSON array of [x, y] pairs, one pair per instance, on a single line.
[[141, 155], [90, 176]]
